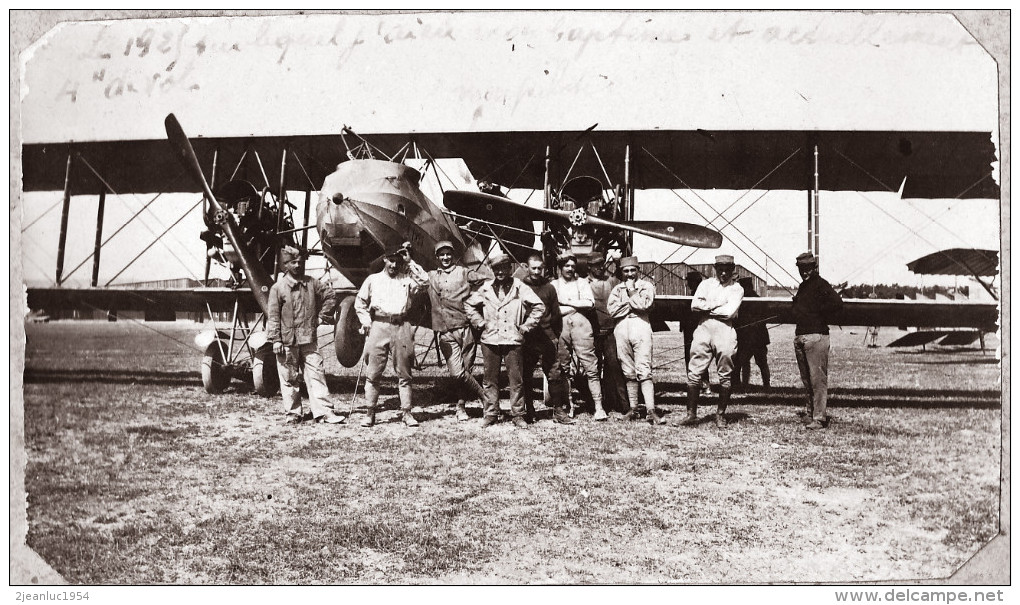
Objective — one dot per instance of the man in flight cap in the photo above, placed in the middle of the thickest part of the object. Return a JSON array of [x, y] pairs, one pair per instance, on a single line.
[[297, 303], [449, 287]]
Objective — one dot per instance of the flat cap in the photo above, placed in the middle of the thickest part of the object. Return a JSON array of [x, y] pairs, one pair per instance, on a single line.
[[443, 244], [597, 258], [807, 259]]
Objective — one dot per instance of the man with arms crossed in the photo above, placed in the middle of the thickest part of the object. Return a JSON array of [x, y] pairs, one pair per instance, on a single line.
[[576, 298], [715, 306], [629, 303]]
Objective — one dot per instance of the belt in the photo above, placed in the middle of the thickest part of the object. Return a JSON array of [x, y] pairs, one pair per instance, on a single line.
[[387, 318]]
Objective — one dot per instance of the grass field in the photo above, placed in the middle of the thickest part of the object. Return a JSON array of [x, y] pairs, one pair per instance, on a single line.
[[137, 476]]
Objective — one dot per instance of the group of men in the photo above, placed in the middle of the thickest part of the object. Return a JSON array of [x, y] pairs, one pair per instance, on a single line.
[[595, 329]]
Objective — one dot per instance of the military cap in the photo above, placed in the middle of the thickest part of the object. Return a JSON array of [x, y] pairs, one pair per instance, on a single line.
[[444, 244], [289, 253], [394, 251], [724, 259], [565, 256], [628, 261], [498, 259], [807, 259]]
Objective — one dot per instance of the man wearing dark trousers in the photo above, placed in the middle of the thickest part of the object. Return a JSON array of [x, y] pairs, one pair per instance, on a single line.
[[505, 310], [541, 345], [814, 306]]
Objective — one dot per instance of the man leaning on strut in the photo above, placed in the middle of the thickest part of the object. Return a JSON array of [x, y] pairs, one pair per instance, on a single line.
[[297, 303], [449, 287], [504, 309], [382, 305], [814, 306]]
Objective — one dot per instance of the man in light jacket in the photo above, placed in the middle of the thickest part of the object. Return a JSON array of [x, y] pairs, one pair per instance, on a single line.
[[504, 309]]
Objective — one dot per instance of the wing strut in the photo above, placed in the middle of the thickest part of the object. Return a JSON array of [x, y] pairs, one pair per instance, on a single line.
[[63, 221], [99, 237]]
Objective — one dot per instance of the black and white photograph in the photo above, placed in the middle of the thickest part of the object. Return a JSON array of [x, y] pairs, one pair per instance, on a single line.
[[704, 301]]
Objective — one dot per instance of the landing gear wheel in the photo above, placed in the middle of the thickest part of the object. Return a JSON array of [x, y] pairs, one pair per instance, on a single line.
[[265, 376], [215, 375], [347, 340]]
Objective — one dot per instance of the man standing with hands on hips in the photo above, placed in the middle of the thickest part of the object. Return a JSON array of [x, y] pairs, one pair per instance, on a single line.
[[715, 306], [382, 305], [297, 303], [814, 306]]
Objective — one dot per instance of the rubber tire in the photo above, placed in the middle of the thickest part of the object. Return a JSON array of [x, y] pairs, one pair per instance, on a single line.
[[215, 375], [347, 340], [265, 374]]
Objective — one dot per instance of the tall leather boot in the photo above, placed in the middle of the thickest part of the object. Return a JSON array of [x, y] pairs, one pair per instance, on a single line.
[[648, 392], [404, 391], [372, 399], [724, 400], [693, 393], [633, 397]]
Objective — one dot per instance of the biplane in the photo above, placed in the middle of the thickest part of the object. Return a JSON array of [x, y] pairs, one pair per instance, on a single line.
[[369, 199]]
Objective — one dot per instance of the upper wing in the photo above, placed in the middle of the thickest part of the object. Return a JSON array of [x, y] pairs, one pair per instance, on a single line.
[[856, 312], [936, 164]]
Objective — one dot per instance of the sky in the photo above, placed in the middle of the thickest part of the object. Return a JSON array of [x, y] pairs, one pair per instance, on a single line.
[[116, 80]]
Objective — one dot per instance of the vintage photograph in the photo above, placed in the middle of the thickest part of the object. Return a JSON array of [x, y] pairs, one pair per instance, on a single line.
[[509, 298]]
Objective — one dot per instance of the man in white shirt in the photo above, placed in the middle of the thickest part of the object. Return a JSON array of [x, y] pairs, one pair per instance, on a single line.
[[715, 306], [382, 305], [576, 299]]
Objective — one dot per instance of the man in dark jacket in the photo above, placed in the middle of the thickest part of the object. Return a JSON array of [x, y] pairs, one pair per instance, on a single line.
[[814, 306], [297, 303], [752, 342], [541, 344]]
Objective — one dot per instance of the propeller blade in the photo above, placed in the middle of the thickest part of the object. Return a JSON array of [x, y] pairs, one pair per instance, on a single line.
[[470, 203], [686, 234], [186, 154], [478, 205], [258, 278]]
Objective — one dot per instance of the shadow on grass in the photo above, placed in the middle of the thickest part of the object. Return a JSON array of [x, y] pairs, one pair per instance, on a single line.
[[675, 394], [106, 376]]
